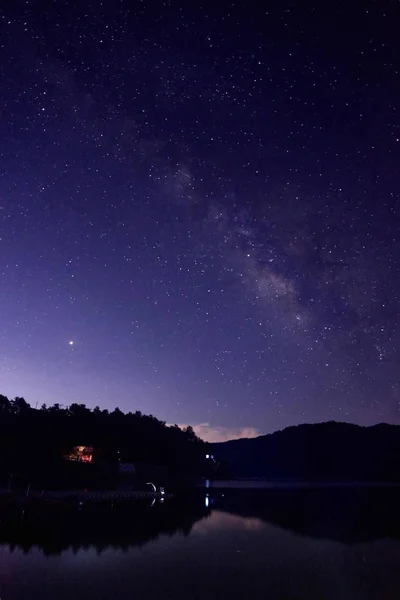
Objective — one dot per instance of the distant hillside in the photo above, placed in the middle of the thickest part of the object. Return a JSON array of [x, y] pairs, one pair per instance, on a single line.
[[323, 451]]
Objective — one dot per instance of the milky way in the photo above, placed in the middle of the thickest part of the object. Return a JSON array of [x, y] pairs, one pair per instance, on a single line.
[[199, 211]]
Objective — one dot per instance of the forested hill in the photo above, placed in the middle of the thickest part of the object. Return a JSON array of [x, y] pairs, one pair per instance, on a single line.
[[324, 451], [30, 437]]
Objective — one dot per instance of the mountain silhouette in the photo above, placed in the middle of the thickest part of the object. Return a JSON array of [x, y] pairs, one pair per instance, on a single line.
[[329, 451]]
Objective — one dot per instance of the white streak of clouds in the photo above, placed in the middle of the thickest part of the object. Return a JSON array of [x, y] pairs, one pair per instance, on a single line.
[[212, 434]]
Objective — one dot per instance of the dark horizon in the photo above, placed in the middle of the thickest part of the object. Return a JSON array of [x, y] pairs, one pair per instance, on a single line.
[[218, 434], [309, 423]]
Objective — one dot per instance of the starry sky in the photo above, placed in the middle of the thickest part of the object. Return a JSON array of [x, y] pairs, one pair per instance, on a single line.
[[199, 210]]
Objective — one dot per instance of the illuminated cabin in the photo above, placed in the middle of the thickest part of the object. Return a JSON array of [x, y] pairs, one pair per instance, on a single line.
[[80, 454]]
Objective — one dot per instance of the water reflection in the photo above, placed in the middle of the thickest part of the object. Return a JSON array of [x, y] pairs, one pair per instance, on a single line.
[[56, 529], [219, 521], [275, 545], [348, 515]]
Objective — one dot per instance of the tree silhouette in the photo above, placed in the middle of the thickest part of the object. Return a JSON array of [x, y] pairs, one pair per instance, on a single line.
[[33, 442]]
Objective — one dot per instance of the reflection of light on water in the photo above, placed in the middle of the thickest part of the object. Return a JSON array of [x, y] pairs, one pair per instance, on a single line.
[[222, 520], [207, 501]]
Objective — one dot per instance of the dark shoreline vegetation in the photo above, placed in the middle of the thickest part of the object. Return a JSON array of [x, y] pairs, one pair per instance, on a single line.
[[35, 442]]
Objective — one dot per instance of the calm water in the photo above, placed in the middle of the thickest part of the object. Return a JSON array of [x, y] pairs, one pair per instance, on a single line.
[[341, 545]]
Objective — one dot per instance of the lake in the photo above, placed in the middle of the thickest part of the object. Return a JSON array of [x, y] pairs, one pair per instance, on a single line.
[[275, 544]]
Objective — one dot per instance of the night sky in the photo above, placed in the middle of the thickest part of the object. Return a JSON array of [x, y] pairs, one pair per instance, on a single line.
[[199, 210]]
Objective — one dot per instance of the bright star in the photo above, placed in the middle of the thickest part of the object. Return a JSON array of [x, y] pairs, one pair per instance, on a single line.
[[71, 343]]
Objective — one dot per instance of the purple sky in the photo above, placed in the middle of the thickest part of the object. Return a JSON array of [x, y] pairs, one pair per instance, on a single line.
[[206, 203]]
